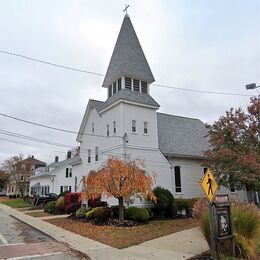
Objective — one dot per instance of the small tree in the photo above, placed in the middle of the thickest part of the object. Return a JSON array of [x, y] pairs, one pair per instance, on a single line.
[[121, 180], [234, 153], [11, 166]]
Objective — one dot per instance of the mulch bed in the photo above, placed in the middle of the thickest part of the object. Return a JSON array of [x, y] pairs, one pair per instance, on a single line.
[[122, 237]]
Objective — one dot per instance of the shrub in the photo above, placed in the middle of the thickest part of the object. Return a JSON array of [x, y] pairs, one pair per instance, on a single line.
[[165, 203], [14, 196], [94, 203], [115, 211], [81, 213], [101, 214], [90, 214], [72, 207], [185, 204], [49, 207], [62, 194], [60, 204], [137, 214], [72, 197]]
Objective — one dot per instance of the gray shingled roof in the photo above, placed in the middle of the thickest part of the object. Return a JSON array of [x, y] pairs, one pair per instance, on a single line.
[[128, 57], [97, 104], [133, 96], [181, 136]]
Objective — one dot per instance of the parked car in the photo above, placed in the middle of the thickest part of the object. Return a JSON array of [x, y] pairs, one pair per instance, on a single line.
[[43, 199]]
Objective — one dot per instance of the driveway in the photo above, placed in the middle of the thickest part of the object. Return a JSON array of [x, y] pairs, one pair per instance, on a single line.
[[21, 241]]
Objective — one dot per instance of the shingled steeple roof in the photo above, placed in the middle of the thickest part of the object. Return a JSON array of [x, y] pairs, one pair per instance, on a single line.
[[128, 58]]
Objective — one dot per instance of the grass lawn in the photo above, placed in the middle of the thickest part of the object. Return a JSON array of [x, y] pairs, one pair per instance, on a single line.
[[38, 214], [16, 203], [121, 237]]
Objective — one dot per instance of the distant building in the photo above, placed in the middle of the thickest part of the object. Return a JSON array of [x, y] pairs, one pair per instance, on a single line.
[[56, 177], [19, 182]]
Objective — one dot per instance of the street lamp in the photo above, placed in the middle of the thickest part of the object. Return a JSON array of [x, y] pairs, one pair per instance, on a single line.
[[252, 86]]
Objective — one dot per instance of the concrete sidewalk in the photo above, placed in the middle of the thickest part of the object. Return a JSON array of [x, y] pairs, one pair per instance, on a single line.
[[181, 245]]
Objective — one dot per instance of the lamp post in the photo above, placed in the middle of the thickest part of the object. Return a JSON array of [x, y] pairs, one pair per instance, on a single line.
[[252, 86]]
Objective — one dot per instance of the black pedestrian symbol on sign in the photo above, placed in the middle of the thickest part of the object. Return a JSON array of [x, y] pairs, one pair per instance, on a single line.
[[210, 185]]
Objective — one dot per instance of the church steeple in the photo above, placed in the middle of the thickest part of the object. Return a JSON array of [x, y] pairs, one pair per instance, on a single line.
[[128, 67]]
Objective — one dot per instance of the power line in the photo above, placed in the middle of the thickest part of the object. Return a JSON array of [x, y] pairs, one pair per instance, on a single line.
[[35, 146], [50, 63], [54, 128], [100, 74]]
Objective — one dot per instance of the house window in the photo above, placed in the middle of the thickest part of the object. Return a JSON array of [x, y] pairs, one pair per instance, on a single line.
[[76, 184], [119, 84], [114, 126], [89, 156], [93, 127], [177, 172], [21, 178], [205, 170], [61, 189], [128, 84], [145, 128], [136, 85], [69, 188], [67, 172], [48, 189], [107, 129], [133, 126], [144, 88], [96, 153], [70, 172], [12, 188], [232, 188], [114, 88], [109, 91]]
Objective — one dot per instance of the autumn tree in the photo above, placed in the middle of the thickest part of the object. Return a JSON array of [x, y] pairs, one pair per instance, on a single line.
[[120, 179], [234, 151], [11, 167]]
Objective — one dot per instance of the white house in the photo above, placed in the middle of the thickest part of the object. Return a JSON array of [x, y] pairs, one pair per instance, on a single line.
[[127, 124], [55, 177]]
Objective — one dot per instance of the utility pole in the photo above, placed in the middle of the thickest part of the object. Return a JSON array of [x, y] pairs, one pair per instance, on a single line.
[[125, 140]]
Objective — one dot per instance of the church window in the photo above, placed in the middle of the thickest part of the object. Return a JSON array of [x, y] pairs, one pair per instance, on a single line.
[[136, 85], [119, 84], [96, 153], [114, 88], [70, 172], [114, 126], [145, 128], [133, 126], [177, 172], [110, 91], [128, 84], [67, 172], [89, 156], [76, 184], [107, 129], [144, 88], [93, 127]]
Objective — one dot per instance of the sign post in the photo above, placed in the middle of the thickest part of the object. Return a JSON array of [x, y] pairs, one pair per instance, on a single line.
[[220, 219]]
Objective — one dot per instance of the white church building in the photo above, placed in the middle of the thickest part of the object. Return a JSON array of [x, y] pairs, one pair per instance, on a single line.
[[128, 125]]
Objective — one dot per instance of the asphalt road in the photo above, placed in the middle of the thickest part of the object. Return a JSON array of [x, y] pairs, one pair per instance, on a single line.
[[20, 241]]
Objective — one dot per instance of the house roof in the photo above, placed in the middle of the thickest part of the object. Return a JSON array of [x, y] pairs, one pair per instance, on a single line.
[[181, 136], [72, 161], [32, 160], [128, 58]]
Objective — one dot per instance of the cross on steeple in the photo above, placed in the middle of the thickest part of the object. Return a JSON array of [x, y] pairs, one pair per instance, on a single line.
[[125, 10]]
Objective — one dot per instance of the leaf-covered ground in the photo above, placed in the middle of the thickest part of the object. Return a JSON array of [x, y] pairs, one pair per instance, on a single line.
[[121, 237], [38, 214]]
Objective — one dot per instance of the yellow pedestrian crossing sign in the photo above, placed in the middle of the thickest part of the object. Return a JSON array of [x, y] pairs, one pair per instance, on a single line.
[[209, 185]]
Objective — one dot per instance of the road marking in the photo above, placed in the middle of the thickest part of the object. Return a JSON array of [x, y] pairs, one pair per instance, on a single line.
[[31, 256], [3, 239]]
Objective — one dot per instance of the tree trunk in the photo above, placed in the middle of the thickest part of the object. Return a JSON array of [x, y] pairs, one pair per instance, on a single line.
[[121, 208]]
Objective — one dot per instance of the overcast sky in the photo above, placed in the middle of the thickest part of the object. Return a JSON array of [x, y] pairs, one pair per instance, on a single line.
[[203, 45]]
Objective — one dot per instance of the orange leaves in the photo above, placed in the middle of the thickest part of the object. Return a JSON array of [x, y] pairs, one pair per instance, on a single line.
[[118, 179]]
